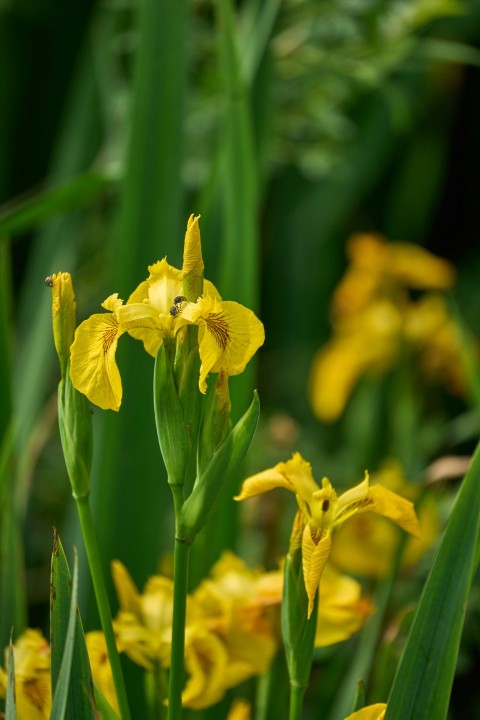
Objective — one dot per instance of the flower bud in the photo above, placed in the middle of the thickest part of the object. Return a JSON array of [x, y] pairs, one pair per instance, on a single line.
[[63, 315], [192, 261]]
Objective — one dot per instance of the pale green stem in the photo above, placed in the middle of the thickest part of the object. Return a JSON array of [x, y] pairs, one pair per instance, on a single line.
[[296, 702], [180, 580], [93, 556]]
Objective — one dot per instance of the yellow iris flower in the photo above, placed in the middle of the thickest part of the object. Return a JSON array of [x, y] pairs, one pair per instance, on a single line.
[[32, 677], [375, 320], [321, 511], [229, 333]]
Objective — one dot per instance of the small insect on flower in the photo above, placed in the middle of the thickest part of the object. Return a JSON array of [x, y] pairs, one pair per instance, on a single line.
[[177, 305], [49, 281]]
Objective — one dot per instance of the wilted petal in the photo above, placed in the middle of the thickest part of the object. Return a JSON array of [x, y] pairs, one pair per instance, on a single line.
[[93, 369], [315, 551]]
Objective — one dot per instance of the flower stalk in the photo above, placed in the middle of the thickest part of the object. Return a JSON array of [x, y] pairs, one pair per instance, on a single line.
[[99, 587], [177, 674]]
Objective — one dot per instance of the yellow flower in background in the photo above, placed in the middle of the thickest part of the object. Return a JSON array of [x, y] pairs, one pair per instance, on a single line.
[[366, 545], [375, 321], [230, 334], [32, 676], [369, 342], [342, 611], [232, 605], [371, 712], [381, 269], [321, 511], [100, 666], [229, 635]]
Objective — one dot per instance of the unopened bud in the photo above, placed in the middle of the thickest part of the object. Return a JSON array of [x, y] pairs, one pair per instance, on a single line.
[[192, 261], [63, 315]]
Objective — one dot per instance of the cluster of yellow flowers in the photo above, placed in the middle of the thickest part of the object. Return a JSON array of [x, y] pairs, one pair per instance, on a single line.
[[232, 633], [376, 322]]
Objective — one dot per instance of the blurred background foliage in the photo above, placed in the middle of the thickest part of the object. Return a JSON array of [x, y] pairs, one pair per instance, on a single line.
[[288, 124]]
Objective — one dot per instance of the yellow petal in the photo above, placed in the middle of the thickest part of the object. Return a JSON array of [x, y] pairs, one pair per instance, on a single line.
[[240, 710], [315, 551], [263, 482], [100, 666], [32, 676], [341, 611], [205, 659], [230, 334], [416, 267], [372, 712], [128, 595], [396, 508], [93, 369], [379, 500], [143, 322]]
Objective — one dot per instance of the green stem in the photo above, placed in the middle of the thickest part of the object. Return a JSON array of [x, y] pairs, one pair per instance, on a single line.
[[93, 556], [180, 580], [296, 702]]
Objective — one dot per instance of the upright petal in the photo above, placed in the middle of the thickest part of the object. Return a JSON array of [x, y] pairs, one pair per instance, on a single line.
[[315, 551], [93, 369]]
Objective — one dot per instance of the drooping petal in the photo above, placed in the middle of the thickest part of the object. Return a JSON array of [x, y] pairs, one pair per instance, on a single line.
[[93, 369], [315, 551], [379, 500], [263, 482], [371, 712], [396, 508], [230, 334], [143, 322]]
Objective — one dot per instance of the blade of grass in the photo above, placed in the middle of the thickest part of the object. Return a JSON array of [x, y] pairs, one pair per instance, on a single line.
[[424, 678], [62, 688], [80, 703], [11, 706]]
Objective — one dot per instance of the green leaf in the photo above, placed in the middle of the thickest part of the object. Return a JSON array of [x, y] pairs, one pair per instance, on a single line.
[[79, 703], [214, 482], [11, 706], [424, 678], [19, 216], [62, 688], [298, 631]]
